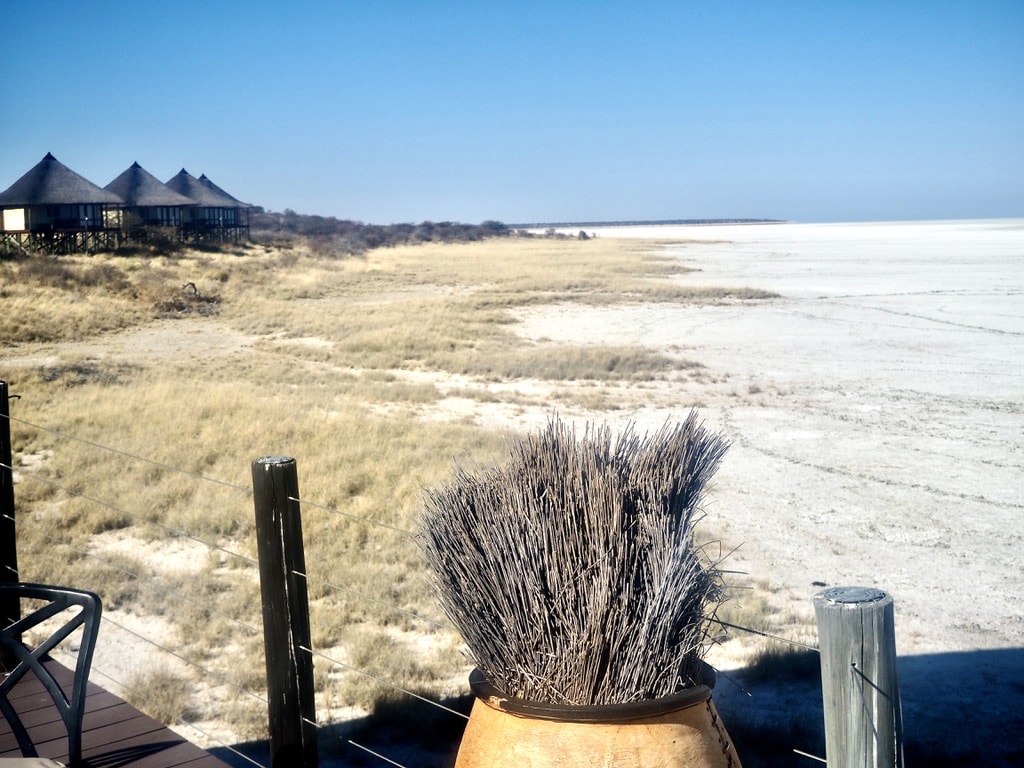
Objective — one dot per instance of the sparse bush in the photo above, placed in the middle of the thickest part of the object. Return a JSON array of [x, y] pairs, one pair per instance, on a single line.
[[162, 241], [341, 237], [570, 363], [189, 301], [75, 374], [377, 654], [46, 271], [164, 694]]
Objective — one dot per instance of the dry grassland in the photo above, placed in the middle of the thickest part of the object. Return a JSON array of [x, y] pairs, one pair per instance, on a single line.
[[203, 362]]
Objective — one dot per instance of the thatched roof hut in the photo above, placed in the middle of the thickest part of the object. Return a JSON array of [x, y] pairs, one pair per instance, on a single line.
[[51, 197], [214, 188], [55, 209], [216, 212], [205, 194], [50, 182], [148, 198], [138, 187]]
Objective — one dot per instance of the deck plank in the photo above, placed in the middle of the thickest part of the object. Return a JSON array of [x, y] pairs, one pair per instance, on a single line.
[[115, 734]]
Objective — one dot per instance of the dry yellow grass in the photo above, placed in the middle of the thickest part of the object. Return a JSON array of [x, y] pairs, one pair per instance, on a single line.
[[323, 376]]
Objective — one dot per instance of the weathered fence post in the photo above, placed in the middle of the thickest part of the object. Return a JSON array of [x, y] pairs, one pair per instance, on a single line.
[[292, 709], [860, 689], [10, 607]]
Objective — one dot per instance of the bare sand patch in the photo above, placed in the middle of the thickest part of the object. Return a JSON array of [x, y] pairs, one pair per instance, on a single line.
[[160, 340], [876, 415], [875, 412]]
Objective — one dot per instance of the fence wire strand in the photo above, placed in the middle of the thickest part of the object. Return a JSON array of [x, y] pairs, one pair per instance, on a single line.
[[767, 635], [376, 601], [205, 670], [175, 594], [375, 754], [135, 517], [355, 518], [134, 456], [251, 561], [342, 740], [382, 681], [187, 724]]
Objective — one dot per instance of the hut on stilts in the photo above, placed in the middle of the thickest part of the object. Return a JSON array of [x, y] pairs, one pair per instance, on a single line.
[[216, 215], [54, 210], [148, 203]]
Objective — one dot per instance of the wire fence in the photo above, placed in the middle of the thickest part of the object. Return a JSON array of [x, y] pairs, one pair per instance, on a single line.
[[173, 596]]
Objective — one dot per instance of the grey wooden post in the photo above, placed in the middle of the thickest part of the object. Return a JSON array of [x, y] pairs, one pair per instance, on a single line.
[[859, 685], [292, 708]]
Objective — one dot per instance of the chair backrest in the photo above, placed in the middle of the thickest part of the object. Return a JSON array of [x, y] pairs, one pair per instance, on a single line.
[[84, 610]]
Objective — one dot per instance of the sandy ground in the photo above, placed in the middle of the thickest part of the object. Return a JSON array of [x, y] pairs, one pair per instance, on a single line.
[[876, 413]]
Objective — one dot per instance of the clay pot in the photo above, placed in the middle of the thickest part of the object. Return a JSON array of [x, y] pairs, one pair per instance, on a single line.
[[678, 731]]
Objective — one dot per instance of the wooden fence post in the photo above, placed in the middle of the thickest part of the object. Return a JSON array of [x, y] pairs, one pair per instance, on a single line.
[[857, 640], [292, 709], [10, 606]]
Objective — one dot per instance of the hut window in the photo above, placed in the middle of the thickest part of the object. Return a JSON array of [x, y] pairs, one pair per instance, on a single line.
[[167, 216], [14, 219]]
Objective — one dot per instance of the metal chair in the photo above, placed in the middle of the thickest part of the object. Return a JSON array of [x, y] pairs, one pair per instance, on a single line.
[[87, 609]]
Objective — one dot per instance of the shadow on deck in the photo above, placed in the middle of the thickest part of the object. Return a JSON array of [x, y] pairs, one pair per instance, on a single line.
[[115, 734]]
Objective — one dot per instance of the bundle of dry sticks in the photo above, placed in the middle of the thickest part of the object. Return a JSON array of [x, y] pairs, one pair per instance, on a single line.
[[571, 571]]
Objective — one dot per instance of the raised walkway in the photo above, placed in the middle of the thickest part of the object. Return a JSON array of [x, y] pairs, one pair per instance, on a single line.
[[115, 734]]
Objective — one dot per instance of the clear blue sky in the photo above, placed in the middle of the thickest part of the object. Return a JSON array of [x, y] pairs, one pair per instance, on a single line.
[[558, 111]]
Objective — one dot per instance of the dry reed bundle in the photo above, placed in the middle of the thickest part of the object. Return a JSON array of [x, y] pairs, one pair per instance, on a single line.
[[571, 571]]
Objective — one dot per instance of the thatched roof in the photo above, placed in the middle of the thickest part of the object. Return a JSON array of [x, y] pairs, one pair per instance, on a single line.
[[138, 187], [202, 193], [50, 182], [210, 185]]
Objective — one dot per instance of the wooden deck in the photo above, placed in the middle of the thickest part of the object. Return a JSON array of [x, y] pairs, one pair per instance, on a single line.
[[115, 735]]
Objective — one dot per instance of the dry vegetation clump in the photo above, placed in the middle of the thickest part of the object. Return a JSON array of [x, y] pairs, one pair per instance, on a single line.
[[389, 656], [72, 298], [561, 363], [165, 694], [571, 569], [449, 308], [47, 314]]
